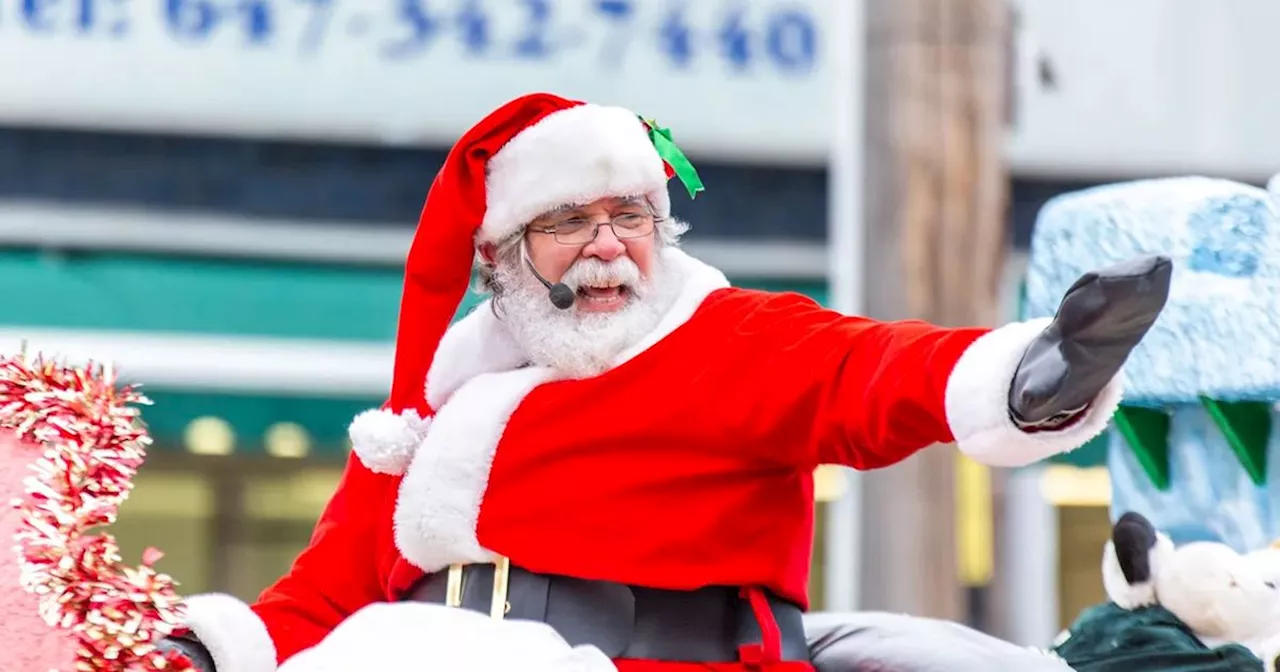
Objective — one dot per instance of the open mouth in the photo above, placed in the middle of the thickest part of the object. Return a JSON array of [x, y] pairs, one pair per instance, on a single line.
[[603, 295]]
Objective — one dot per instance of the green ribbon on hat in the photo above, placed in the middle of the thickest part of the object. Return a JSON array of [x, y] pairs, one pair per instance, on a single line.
[[671, 154]]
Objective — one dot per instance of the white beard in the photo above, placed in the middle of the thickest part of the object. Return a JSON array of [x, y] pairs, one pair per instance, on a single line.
[[584, 344]]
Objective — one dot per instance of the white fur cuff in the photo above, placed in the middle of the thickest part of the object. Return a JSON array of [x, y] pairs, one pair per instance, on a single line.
[[236, 638], [385, 441], [977, 403]]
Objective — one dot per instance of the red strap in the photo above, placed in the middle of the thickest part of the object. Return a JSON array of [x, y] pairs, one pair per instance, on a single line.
[[769, 650], [751, 655]]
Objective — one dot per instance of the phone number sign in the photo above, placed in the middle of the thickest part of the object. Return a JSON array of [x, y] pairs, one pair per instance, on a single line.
[[735, 78]]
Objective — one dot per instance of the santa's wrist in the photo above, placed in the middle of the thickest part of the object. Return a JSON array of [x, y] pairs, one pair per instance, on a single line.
[[192, 650], [1055, 422]]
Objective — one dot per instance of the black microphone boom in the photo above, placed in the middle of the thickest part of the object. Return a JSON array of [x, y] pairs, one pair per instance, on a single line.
[[562, 296]]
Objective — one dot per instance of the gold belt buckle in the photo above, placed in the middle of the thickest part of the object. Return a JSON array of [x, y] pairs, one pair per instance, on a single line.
[[498, 604]]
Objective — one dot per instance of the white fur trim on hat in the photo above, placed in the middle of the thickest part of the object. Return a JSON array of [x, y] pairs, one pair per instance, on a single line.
[[385, 441], [573, 156], [235, 637], [1141, 593], [977, 403]]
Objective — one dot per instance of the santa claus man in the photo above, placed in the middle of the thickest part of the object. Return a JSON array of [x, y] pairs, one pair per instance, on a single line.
[[617, 447]]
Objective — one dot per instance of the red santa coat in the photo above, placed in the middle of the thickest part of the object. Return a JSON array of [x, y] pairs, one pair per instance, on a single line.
[[687, 464]]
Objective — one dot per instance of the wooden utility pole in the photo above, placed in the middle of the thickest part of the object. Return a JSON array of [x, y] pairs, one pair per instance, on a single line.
[[936, 193]]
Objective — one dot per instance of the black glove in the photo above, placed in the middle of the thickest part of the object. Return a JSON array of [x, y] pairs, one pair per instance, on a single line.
[[190, 649], [1099, 322]]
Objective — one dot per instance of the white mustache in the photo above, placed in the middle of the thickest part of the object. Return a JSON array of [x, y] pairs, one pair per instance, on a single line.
[[586, 272]]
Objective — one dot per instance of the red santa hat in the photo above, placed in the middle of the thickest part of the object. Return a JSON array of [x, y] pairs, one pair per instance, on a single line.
[[531, 155]]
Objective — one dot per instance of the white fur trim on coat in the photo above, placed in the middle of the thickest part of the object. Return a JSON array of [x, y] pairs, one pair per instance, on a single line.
[[476, 344], [236, 638], [439, 501], [977, 403], [440, 497], [1142, 593], [573, 156], [385, 441]]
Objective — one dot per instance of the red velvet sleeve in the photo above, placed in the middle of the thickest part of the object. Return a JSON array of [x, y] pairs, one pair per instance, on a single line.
[[849, 390]]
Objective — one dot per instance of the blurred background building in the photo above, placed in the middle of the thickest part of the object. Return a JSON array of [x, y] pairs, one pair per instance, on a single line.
[[220, 195]]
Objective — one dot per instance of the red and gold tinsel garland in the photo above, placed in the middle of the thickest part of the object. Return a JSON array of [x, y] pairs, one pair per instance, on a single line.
[[93, 444]]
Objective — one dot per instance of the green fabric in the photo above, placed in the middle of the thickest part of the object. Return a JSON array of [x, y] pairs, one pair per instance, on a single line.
[[666, 147], [1107, 638]]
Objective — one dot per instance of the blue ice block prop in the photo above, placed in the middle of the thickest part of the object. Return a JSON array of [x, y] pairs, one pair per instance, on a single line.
[[1204, 380]]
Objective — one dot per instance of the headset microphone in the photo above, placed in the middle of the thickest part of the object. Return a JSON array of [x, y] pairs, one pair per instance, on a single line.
[[562, 296]]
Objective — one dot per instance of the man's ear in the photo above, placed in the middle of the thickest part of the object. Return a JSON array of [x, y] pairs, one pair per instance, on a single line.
[[488, 253]]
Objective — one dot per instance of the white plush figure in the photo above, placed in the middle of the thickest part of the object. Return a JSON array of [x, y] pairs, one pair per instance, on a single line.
[[1222, 596], [1264, 565]]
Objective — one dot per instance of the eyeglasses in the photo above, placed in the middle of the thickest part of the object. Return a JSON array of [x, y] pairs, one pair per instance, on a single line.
[[579, 231]]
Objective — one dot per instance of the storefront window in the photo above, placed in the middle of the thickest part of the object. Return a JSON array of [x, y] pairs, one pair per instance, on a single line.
[[228, 524], [171, 511], [1083, 532], [280, 512]]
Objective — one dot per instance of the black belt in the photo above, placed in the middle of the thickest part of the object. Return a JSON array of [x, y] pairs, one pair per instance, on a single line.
[[698, 626]]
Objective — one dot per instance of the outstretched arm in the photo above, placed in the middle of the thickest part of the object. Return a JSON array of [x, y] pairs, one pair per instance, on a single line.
[[334, 577], [868, 394]]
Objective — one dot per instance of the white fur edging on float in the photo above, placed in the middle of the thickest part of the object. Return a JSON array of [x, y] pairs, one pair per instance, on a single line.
[[421, 636]]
